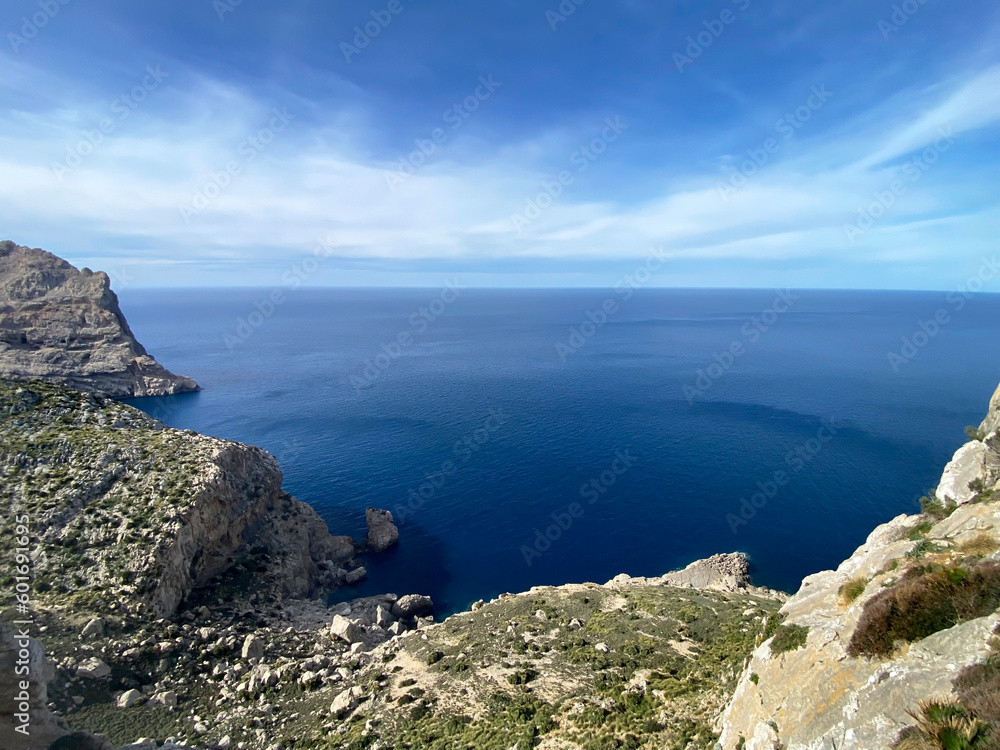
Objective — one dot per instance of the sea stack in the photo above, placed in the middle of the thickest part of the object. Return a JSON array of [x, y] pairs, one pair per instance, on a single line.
[[382, 532], [63, 325]]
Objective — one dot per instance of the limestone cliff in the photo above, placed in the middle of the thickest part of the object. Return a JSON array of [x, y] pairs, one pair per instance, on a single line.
[[65, 326], [130, 516], [909, 618]]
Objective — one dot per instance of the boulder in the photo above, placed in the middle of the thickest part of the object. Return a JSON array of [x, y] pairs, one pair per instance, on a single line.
[[167, 698], [353, 576], [93, 669], [345, 702], [93, 628], [130, 698], [412, 606], [382, 532], [347, 631], [253, 648]]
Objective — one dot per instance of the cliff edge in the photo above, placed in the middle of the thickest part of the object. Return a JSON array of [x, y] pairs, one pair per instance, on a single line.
[[64, 325], [899, 644]]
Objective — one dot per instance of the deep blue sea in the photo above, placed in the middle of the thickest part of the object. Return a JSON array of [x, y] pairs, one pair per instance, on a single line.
[[489, 424]]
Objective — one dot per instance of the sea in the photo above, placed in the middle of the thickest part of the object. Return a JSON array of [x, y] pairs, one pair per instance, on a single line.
[[536, 437]]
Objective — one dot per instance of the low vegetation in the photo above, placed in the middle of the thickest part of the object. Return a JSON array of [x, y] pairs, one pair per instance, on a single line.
[[789, 638], [585, 667], [853, 589], [926, 600], [945, 725], [938, 509]]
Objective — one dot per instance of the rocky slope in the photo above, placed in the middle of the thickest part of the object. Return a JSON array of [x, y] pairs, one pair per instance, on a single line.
[[130, 516], [127, 520], [65, 326], [911, 617]]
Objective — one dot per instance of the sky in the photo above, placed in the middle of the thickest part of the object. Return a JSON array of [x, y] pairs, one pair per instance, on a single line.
[[752, 143]]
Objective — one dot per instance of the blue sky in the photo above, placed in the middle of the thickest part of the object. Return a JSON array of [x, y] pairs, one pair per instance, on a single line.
[[755, 142]]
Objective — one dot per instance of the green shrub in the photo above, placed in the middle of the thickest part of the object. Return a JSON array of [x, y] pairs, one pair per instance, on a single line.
[[755, 678], [434, 657], [974, 433], [920, 531], [938, 509], [947, 725], [789, 638], [924, 547], [924, 602], [851, 590], [523, 677]]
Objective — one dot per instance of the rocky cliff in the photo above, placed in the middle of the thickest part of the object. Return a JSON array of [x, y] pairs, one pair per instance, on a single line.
[[64, 325], [130, 516], [899, 644]]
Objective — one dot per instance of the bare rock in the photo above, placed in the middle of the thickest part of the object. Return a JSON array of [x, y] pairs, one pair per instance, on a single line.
[[253, 647], [166, 698], [346, 630], [130, 698], [356, 575], [93, 669], [64, 325], [383, 618], [382, 532], [345, 702], [412, 606], [93, 629]]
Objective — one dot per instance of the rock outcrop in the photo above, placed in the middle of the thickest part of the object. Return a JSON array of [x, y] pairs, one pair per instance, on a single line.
[[64, 325], [25, 720], [130, 516], [818, 689], [382, 532], [724, 572]]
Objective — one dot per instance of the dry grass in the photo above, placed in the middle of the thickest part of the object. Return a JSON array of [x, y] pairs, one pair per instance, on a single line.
[[853, 589], [926, 601], [979, 545]]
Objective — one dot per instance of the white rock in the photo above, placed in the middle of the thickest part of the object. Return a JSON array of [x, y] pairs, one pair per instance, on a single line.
[[130, 698], [93, 628], [93, 669], [346, 630], [253, 647]]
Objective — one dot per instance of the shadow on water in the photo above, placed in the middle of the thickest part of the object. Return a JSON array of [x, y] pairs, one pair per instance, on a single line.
[[417, 565], [167, 409]]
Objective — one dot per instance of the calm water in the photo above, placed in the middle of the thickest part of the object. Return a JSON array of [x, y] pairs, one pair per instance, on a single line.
[[477, 410]]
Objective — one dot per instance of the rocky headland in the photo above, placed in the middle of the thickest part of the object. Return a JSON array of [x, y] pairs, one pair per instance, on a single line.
[[65, 325], [161, 590]]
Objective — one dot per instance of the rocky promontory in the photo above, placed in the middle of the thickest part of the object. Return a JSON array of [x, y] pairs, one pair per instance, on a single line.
[[64, 325], [900, 644]]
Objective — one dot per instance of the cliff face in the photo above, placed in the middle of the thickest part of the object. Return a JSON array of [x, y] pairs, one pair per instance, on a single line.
[[910, 617], [130, 516], [65, 326]]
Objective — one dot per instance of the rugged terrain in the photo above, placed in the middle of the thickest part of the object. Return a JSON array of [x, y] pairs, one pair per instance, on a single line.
[[128, 523], [64, 325], [170, 584], [162, 590], [910, 618]]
